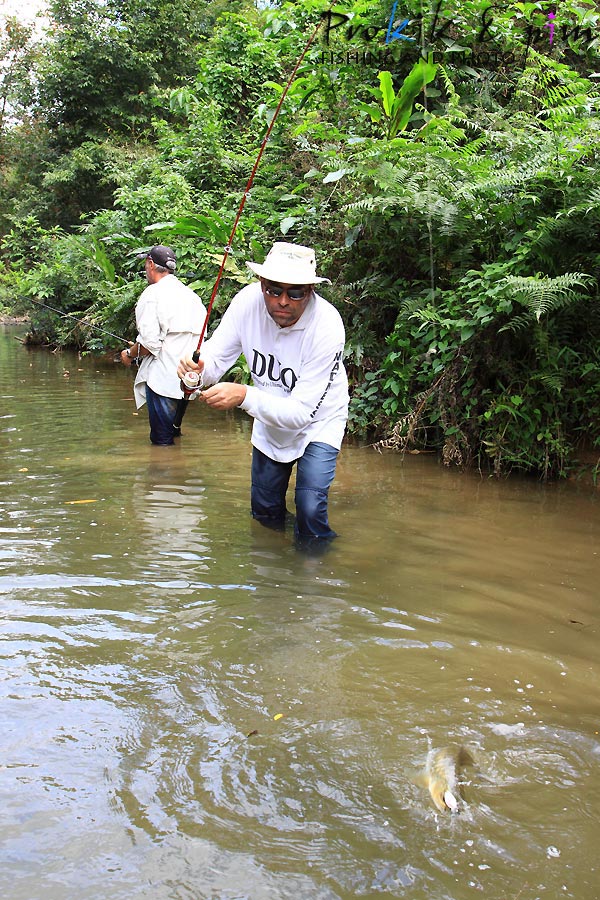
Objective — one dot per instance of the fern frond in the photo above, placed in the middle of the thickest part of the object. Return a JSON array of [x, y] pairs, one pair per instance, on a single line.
[[453, 97], [518, 323], [367, 204], [426, 315], [553, 382], [541, 295]]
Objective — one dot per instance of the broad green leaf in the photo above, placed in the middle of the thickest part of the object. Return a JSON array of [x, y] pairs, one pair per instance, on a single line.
[[160, 226], [421, 74], [388, 94], [351, 235], [286, 224], [375, 112], [335, 176]]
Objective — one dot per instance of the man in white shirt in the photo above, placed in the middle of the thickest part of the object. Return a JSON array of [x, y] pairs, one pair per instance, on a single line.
[[293, 341], [169, 318]]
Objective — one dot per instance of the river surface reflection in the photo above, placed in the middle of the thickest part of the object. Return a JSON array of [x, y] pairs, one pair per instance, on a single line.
[[190, 708]]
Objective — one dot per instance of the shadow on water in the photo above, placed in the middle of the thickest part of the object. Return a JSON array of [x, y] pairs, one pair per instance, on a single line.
[[191, 708]]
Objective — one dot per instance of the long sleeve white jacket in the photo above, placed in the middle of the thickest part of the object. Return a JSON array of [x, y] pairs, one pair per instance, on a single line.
[[169, 318], [300, 388]]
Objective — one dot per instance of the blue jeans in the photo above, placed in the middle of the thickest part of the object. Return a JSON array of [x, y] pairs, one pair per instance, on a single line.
[[314, 474], [161, 412]]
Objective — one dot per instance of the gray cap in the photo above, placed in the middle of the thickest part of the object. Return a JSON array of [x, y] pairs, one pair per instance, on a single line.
[[161, 256]]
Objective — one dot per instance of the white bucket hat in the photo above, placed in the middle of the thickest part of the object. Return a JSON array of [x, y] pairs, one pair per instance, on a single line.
[[289, 264]]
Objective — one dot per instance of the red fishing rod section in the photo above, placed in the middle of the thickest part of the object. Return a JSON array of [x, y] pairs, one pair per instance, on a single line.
[[196, 354]]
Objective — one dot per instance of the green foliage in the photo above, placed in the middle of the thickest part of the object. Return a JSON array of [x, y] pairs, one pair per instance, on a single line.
[[239, 373], [494, 383], [17, 55], [72, 273], [164, 195], [542, 295], [84, 178], [365, 414], [448, 184], [108, 62], [235, 64], [398, 107]]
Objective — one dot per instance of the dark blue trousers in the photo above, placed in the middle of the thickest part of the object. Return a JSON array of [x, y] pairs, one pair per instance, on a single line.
[[162, 412], [314, 473]]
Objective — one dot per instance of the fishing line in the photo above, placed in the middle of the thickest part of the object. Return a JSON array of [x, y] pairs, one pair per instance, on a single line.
[[80, 321], [228, 246], [428, 172]]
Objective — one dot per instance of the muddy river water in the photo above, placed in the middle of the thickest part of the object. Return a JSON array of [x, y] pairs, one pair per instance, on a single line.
[[191, 709]]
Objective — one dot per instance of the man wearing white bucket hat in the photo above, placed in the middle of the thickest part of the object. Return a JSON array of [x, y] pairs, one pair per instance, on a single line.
[[293, 341]]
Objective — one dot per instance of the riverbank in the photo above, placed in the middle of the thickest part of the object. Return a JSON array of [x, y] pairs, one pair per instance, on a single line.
[[5, 319]]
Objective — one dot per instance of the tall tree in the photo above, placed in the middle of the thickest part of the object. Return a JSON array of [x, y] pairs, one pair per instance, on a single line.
[[108, 62], [17, 52]]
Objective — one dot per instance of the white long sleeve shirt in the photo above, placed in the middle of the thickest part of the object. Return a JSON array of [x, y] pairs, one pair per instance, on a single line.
[[169, 318], [300, 389]]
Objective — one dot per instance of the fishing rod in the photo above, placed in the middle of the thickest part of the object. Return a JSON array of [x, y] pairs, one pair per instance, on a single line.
[[228, 246], [192, 380], [80, 321]]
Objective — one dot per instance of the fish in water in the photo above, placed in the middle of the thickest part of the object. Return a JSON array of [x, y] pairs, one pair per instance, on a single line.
[[442, 776]]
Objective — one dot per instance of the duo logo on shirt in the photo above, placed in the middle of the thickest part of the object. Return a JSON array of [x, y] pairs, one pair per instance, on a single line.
[[272, 367]]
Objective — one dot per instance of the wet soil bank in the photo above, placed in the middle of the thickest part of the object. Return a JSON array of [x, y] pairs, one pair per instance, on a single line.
[[5, 319]]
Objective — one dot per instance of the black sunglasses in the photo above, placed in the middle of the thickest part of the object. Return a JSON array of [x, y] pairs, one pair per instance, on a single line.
[[293, 293]]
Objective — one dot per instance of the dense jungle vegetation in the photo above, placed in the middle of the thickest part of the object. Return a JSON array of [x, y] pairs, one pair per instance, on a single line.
[[442, 158]]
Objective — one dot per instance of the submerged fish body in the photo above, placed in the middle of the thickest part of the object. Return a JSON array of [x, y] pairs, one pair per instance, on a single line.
[[442, 776]]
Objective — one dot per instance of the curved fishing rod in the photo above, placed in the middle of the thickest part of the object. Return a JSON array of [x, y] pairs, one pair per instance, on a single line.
[[228, 246], [80, 321]]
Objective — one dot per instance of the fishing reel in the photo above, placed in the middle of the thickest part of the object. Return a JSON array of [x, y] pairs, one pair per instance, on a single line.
[[191, 385]]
